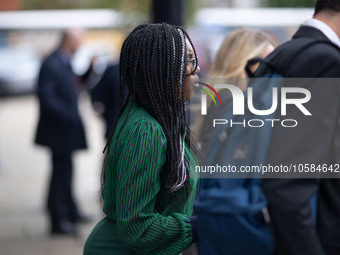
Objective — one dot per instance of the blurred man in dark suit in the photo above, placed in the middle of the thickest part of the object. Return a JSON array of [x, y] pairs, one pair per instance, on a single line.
[[61, 129], [314, 52], [105, 96]]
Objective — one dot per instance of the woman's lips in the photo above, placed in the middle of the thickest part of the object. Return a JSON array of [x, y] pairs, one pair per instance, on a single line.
[[196, 84]]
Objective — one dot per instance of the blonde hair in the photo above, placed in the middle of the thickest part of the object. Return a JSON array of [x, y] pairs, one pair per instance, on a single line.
[[238, 47]]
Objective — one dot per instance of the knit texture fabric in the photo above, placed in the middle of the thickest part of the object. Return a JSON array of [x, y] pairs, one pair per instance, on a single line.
[[149, 219]]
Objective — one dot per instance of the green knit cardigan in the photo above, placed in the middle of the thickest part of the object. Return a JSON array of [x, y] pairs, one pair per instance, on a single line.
[[149, 220]]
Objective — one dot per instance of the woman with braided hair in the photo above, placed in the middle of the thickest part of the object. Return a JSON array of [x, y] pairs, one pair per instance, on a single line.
[[148, 178]]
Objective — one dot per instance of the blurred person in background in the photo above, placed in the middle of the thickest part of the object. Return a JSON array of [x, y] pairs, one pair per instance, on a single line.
[[238, 47], [313, 52], [148, 181], [222, 202], [105, 96], [60, 128]]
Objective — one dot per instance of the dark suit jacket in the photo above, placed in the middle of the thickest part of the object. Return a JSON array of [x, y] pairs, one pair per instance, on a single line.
[[60, 127], [106, 92], [312, 141]]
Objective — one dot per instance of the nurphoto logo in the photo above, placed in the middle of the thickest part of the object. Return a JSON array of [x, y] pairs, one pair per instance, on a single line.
[[243, 104]]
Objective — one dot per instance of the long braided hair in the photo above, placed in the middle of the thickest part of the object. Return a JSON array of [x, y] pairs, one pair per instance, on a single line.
[[153, 67]]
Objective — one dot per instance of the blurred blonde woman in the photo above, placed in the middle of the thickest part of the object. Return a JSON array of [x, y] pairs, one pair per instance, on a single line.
[[238, 47]]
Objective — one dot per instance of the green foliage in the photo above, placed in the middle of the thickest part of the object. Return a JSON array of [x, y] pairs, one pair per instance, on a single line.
[[288, 3], [143, 6], [52, 4], [190, 9], [140, 5]]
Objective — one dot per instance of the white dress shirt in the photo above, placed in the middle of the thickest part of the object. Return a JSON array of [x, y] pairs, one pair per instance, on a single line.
[[325, 29]]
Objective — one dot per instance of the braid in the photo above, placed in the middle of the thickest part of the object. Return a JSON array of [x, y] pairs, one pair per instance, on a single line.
[[123, 68], [152, 66]]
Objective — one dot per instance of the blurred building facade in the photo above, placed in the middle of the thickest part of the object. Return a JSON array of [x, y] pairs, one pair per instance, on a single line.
[[9, 5]]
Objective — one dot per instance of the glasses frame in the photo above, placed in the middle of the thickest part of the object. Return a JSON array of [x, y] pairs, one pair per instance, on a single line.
[[194, 64]]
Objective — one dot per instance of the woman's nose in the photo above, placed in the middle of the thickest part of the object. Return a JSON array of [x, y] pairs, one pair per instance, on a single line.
[[198, 69]]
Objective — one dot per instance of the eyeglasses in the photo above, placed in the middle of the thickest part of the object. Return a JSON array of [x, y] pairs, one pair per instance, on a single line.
[[194, 65]]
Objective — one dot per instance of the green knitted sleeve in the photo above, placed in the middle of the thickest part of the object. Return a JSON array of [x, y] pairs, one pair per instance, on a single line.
[[141, 227]]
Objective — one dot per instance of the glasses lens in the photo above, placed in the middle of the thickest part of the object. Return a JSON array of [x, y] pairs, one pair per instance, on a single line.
[[193, 64]]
